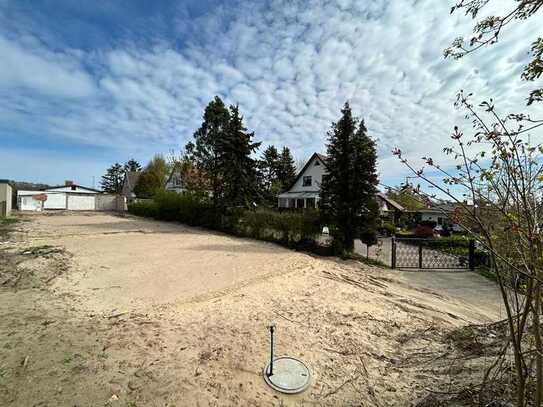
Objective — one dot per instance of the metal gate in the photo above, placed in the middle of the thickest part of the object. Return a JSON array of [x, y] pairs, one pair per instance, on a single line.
[[432, 254]]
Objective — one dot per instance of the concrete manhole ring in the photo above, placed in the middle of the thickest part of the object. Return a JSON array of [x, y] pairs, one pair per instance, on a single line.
[[289, 376]]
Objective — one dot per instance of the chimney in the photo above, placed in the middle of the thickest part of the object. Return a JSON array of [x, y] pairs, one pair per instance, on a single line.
[[68, 183]]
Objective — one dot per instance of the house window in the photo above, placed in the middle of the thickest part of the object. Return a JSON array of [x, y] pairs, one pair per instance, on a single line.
[[300, 203], [177, 181], [306, 181], [317, 163], [310, 203]]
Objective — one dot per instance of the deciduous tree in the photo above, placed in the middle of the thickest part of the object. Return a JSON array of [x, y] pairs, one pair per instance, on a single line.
[[488, 30]]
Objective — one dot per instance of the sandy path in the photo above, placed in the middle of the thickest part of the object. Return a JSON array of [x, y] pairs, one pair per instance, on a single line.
[[195, 308]]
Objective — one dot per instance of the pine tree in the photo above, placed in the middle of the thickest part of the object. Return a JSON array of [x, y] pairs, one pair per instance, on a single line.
[[112, 180], [132, 165], [348, 190], [238, 169], [268, 167], [286, 172], [206, 150]]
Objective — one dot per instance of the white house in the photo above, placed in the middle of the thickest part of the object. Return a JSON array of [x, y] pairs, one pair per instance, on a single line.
[[441, 215], [129, 182], [68, 196], [305, 190], [174, 182]]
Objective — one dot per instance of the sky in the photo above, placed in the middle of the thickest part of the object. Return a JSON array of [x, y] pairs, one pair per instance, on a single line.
[[84, 84]]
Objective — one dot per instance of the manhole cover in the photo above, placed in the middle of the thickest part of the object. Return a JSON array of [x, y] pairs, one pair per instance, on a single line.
[[289, 375]]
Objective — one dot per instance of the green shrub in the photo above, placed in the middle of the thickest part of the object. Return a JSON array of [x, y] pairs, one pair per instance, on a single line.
[[389, 229], [297, 230], [144, 208]]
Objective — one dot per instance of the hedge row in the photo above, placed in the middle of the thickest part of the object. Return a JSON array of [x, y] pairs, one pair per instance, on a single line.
[[298, 230]]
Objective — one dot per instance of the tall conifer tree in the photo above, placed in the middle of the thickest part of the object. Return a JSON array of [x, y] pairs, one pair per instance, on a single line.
[[348, 190], [286, 172], [112, 180], [239, 169], [207, 149]]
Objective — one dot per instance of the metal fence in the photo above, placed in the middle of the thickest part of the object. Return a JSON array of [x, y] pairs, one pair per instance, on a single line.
[[432, 254]]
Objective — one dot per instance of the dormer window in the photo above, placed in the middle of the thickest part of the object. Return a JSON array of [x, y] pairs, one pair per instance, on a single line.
[[306, 182]]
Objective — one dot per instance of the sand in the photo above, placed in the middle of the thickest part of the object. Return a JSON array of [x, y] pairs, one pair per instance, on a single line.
[[133, 312]]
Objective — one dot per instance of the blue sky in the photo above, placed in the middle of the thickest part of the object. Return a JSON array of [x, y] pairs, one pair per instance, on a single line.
[[85, 84]]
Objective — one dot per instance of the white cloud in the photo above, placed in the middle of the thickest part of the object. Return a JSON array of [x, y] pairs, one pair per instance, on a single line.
[[290, 65]]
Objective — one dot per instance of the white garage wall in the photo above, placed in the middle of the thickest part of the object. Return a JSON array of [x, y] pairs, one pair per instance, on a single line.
[[55, 201], [106, 202], [81, 202], [28, 203]]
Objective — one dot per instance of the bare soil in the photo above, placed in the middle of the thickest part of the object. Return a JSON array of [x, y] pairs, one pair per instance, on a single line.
[[98, 309]]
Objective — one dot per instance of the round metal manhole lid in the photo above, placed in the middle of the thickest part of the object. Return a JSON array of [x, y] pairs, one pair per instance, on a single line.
[[289, 375]]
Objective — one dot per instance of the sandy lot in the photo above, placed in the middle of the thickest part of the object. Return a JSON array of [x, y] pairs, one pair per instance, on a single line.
[[97, 309]]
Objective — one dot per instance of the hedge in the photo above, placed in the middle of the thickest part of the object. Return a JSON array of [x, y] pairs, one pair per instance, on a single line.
[[298, 230]]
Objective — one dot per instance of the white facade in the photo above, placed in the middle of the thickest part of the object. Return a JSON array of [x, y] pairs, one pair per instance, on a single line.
[[174, 183], [55, 200], [74, 201], [81, 202], [305, 191], [439, 217], [26, 201]]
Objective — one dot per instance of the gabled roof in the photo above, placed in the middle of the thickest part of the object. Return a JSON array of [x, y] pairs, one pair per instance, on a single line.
[[131, 178], [72, 185], [175, 168], [391, 202], [320, 157]]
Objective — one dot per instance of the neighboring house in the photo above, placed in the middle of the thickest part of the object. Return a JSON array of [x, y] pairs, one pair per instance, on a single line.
[[69, 196], [129, 182], [440, 215], [389, 209], [5, 197], [174, 182], [305, 190]]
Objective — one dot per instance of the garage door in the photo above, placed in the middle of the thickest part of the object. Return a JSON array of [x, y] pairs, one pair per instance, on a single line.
[[81, 202], [55, 201]]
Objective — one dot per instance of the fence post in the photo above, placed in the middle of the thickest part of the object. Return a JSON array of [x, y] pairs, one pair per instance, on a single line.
[[471, 254], [393, 252], [420, 254]]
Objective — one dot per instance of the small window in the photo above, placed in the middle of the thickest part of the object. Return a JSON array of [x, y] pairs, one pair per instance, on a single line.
[[73, 187], [306, 181], [317, 163]]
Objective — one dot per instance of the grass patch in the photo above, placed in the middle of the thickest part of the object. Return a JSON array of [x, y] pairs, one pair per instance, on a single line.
[[365, 260], [6, 226], [8, 221], [41, 250]]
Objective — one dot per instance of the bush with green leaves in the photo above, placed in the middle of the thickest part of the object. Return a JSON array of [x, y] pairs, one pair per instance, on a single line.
[[297, 230]]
